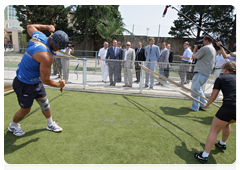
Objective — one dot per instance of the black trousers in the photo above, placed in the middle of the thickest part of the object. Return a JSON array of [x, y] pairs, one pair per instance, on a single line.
[[138, 71], [166, 71]]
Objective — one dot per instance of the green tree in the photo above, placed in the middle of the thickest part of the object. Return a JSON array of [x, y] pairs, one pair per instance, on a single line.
[[43, 14], [114, 27], [87, 18], [232, 40], [185, 28], [23, 40], [217, 20]]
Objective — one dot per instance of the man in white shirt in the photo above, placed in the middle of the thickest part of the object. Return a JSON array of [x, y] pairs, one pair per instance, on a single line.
[[219, 61], [184, 67], [127, 64], [231, 56], [65, 61], [102, 55]]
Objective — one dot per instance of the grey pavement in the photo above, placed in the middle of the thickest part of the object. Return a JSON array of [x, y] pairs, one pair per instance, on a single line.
[[94, 84]]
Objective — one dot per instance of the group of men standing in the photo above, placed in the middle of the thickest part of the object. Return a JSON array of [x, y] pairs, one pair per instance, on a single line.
[[153, 55], [129, 57], [120, 59]]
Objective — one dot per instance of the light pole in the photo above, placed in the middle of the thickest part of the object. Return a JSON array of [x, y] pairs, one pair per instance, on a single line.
[[147, 31]]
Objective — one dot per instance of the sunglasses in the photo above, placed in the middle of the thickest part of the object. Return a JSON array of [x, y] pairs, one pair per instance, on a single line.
[[128, 45]]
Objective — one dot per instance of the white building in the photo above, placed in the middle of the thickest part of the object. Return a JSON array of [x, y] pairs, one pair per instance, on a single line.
[[11, 28]]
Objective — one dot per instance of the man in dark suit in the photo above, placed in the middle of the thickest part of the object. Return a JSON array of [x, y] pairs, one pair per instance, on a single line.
[[113, 53], [167, 70], [119, 68], [140, 56]]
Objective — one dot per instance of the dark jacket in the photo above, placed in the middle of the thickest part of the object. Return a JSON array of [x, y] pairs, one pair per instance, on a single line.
[[141, 55], [111, 55], [171, 56]]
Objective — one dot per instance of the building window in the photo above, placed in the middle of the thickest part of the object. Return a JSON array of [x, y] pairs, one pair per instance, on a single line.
[[10, 14]]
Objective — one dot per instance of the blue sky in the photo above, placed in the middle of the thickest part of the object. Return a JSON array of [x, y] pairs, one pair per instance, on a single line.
[[148, 16]]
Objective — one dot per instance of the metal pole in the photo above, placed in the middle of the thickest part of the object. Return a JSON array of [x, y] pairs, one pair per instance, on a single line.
[[147, 31], [96, 61], [84, 72], [133, 28], [141, 78], [159, 30]]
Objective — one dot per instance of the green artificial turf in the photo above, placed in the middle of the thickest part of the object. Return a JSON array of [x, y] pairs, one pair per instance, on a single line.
[[112, 129]]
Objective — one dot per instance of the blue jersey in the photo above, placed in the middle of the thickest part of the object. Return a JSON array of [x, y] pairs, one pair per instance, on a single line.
[[28, 71]]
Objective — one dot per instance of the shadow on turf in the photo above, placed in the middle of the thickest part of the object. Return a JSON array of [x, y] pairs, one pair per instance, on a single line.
[[181, 112], [143, 108], [10, 139], [38, 108], [189, 157]]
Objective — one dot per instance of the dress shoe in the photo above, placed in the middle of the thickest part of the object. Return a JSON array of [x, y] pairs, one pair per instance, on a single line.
[[158, 83]]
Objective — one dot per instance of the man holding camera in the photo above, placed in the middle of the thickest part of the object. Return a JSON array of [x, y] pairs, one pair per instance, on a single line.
[[65, 61], [202, 70]]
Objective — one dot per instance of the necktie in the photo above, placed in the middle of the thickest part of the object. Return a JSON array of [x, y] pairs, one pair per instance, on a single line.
[[114, 49]]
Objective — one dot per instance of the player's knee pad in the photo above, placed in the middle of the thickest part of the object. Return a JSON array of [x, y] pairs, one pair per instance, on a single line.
[[44, 104]]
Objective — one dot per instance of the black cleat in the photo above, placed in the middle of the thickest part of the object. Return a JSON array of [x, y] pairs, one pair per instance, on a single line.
[[200, 158], [223, 147]]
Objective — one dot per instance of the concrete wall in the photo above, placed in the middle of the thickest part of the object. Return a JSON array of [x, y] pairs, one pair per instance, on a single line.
[[15, 41], [176, 44]]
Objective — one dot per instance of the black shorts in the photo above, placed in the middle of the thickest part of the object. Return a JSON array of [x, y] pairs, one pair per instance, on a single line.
[[26, 93], [227, 112]]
